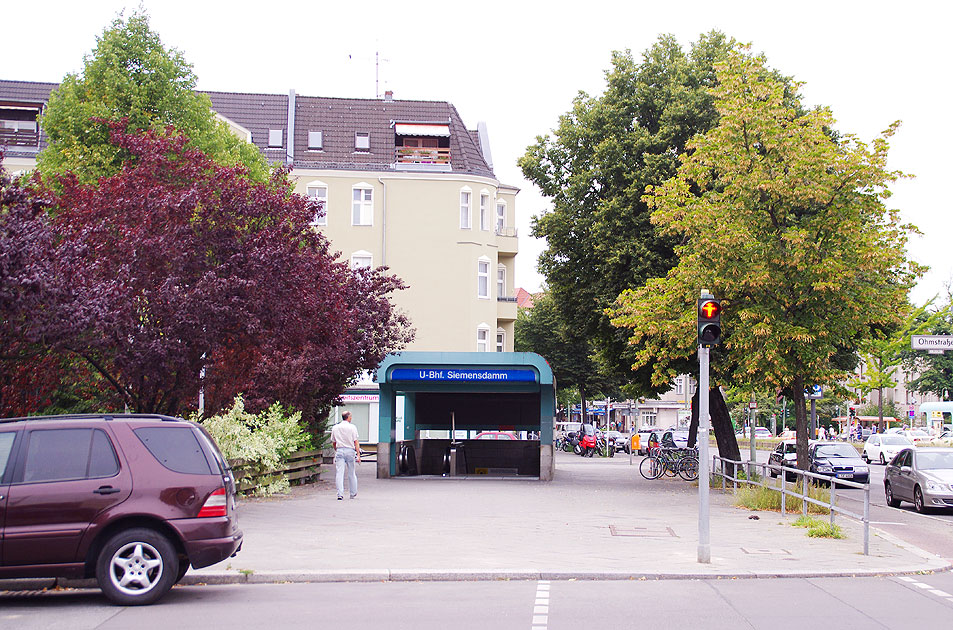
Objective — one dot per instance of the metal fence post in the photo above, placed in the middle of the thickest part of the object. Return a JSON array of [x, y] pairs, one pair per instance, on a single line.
[[833, 499], [804, 493], [867, 519], [784, 483]]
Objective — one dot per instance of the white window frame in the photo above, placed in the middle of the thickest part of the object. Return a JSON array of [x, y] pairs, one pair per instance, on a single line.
[[362, 141], [312, 188], [483, 278], [500, 281], [500, 340], [362, 260], [315, 141], [276, 138], [483, 338], [466, 208], [500, 217], [362, 210], [484, 210]]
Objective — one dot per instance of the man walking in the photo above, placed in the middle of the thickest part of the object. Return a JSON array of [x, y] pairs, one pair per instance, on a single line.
[[344, 439]]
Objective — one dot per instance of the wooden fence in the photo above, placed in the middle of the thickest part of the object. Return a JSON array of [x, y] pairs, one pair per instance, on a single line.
[[298, 468]]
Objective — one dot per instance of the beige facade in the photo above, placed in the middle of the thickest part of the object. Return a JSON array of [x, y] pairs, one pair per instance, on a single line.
[[460, 274]]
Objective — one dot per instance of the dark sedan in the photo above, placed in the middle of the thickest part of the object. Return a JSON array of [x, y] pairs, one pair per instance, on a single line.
[[838, 460]]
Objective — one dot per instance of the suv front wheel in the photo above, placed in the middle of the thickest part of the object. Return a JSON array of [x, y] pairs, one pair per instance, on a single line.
[[136, 566]]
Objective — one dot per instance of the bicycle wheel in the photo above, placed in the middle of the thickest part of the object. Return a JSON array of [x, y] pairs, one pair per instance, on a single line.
[[651, 467], [688, 469], [671, 467]]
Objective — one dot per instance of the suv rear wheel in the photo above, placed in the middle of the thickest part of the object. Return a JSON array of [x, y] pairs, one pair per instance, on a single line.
[[136, 566]]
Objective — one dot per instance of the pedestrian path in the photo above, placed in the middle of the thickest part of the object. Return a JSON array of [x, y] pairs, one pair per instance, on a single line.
[[598, 519]]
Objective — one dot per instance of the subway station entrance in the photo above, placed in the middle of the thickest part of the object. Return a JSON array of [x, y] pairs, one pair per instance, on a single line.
[[466, 414]]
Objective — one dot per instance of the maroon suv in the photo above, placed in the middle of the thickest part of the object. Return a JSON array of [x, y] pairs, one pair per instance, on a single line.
[[132, 500]]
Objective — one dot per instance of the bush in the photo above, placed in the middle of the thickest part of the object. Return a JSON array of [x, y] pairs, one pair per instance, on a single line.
[[759, 498], [819, 529], [259, 441]]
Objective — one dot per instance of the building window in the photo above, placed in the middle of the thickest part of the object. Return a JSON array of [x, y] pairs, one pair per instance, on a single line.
[[500, 217], [679, 386], [319, 192], [483, 339], [500, 340], [483, 279], [465, 209], [501, 281], [315, 140], [274, 137], [362, 141], [362, 260], [362, 206], [484, 211]]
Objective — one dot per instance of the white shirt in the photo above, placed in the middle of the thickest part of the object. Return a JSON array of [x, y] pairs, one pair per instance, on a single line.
[[344, 434]]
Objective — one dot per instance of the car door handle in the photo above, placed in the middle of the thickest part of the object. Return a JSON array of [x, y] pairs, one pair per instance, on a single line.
[[106, 490]]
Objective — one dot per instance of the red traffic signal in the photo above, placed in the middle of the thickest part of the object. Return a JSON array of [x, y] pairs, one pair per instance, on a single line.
[[709, 322]]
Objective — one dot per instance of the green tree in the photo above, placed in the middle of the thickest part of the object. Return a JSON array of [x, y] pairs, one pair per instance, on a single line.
[[595, 167], [130, 75], [786, 221], [934, 371], [882, 355], [540, 330]]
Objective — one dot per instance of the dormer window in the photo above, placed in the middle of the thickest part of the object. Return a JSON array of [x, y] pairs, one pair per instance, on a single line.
[[274, 137], [18, 126], [422, 143], [315, 140], [362, 141]]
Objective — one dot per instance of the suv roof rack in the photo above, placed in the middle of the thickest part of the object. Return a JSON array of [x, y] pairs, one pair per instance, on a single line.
[[96, 416]]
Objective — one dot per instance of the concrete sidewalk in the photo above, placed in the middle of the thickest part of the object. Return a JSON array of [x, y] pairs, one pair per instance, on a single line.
[[599, 519]]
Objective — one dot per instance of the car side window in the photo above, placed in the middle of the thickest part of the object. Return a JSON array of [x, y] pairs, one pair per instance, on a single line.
[[176, 448], [65, 454], [6, 447]]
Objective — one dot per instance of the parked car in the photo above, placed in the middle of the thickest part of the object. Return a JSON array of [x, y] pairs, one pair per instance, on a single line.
[[618, 439], [644, 434], [132, 500], [883, 447], [917, 435], [670, 438], [837, 460], [784, 454], [922, 476], [760, 433], [496, 435]]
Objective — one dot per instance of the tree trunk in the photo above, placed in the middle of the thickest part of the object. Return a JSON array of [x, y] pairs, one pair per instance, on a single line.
[[880, 405], [800, 422], [721, 423], [582, 404]]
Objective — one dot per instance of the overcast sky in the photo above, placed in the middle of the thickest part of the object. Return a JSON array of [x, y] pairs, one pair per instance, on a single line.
[[517, 66]]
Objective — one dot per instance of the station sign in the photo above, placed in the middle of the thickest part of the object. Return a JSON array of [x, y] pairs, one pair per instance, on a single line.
[[449, 375]]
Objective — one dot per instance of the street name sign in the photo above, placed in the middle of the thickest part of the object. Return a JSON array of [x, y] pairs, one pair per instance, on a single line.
[[934, 344]]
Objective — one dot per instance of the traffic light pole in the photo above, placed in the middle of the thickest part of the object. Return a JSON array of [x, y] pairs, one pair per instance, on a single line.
[[704, 461]]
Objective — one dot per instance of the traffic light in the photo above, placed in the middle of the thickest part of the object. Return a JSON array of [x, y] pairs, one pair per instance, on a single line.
[[709, 322]]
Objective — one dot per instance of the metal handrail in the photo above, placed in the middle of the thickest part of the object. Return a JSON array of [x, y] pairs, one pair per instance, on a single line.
[[784, 470]]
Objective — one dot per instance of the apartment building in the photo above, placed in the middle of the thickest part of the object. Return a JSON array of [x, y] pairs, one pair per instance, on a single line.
[[405, 184]]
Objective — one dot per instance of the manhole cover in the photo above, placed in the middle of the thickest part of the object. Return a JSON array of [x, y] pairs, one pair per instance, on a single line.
[[643, 532]]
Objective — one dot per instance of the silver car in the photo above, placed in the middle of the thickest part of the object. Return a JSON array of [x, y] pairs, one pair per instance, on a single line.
[[922, 476]]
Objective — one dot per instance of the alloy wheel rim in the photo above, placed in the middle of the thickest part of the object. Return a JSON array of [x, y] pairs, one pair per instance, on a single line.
[[135, 568]]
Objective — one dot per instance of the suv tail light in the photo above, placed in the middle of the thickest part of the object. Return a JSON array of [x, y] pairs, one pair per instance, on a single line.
[[215, 505]]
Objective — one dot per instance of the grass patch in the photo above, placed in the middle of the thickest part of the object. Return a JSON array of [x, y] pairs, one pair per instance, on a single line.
[[819, 529], [769, 499]]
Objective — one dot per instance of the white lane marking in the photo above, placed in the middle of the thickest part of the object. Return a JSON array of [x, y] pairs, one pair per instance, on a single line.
[[940, 593], [906, 578], [541, 606], [921, 585]]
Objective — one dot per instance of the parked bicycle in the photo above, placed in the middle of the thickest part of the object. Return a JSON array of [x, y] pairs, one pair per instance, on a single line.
[[682, 462]]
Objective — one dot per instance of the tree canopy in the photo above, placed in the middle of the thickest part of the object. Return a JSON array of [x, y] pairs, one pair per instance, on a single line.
[[187, 265], [595, 167], [786, 222], [131, 76]]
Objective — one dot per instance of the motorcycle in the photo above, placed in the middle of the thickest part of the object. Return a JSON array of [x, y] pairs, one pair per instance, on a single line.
[[587, 445]]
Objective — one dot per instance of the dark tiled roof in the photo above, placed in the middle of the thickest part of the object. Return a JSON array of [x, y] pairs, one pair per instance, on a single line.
[[338, 118]]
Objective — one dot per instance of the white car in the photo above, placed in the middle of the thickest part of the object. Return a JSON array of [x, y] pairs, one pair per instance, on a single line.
[[882, 447]]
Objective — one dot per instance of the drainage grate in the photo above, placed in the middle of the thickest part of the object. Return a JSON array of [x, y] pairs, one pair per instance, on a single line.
[[643, 532], [766, 552]]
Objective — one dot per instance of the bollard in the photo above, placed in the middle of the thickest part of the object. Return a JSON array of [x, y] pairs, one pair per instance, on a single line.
[[833, 498]]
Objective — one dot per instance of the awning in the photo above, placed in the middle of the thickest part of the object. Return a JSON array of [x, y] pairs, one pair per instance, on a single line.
[[421, 129]]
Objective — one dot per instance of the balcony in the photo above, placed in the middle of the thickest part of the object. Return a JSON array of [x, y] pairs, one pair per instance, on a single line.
[[422, 159], [506, 309], [19, 138], [507, 241]]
